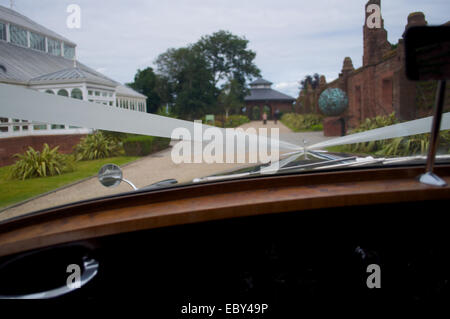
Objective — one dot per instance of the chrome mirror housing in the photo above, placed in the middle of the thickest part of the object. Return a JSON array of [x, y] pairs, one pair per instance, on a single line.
[[110, 175]]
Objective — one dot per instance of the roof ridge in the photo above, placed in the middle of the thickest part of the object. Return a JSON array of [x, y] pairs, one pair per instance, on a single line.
[[267, 94]]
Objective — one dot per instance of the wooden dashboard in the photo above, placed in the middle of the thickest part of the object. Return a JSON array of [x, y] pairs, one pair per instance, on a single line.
[[215, 201]]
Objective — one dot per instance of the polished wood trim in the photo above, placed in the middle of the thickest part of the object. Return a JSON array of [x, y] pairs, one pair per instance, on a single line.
[[213, 201]]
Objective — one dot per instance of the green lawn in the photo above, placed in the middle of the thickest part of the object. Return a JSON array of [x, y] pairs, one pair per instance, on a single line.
[[13, 191]]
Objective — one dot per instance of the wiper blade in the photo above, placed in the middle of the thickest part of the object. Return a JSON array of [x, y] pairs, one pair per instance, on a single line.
[[312, 165], [331, 162], [278, 167], [362, 161]]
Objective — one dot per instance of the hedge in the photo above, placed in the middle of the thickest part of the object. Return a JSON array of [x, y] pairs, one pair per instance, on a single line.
[[142, 145]]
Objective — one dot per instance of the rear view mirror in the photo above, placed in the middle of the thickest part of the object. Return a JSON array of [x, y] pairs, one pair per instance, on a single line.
[[427, 53]]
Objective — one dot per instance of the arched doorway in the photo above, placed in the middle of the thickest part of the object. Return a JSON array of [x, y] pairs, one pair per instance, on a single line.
[[255, 113], [268, 109]]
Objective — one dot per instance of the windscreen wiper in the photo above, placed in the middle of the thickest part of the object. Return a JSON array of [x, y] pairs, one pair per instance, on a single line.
[[279, 167]]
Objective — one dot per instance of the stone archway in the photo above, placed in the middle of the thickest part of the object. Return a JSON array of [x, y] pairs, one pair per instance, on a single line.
[[267, 109], [255, 113]]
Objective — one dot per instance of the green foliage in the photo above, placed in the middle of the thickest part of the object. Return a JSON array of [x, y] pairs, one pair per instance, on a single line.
[[191, 75], [141, 145], [230, 98], [312, 81], [316, 127], [117, 136], [256, 113], [14, 191], [98, 145], [162, 111], [192, 82], [302, 122], [236, 120], [48, 162], [153, 86], [228, 58], [401, 146], [425, 96], [376, 122]]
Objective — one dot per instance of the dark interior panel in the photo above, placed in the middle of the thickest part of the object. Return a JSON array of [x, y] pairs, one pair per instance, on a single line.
[[288, 260]]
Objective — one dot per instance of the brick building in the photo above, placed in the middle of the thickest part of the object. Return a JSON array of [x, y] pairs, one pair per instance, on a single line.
[[380, 86], [263, 98]]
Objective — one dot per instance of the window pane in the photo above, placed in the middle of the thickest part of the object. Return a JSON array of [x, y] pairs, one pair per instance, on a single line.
[[3, 128], [77, 94], [63, 92], [69, 51], [37, 41], [2, 31], [54, 46], [18, 35], [40, 127]]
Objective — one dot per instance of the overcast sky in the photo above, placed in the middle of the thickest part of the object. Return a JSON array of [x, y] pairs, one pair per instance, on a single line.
[[292, 38]]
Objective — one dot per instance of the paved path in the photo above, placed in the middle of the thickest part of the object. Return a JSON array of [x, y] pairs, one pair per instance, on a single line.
[[148, 170], [287, 135]]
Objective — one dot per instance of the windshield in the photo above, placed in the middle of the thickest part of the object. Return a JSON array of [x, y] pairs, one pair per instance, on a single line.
[[174, 93]]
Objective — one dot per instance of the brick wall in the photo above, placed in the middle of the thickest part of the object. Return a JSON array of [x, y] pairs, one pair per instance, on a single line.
[[14, 145], [380, 86]]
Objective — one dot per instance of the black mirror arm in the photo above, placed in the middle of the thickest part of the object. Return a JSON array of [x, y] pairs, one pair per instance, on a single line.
[[429, 177]]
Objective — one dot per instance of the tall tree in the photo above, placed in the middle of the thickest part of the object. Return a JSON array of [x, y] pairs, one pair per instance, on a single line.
[[230, 98], [228, 57], [187, 73], [312, 80], [145, 82]]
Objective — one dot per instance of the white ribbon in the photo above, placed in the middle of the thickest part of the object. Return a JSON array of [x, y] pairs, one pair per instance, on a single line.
[[22, 103], [398, 130]]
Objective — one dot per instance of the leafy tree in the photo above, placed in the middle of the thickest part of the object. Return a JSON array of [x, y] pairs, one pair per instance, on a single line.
[[230, 98], [190, 77], [146, 82], [228, 57], [312, 80], [164, 89], [187, 73]]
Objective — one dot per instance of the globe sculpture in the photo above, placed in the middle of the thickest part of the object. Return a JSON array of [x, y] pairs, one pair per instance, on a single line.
[[333, 102]]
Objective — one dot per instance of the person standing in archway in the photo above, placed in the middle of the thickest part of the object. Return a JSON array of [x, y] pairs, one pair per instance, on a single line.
[[277, 115], [264, 118]]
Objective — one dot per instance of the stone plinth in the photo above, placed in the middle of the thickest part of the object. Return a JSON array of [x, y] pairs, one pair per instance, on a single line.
[[334, 126]]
